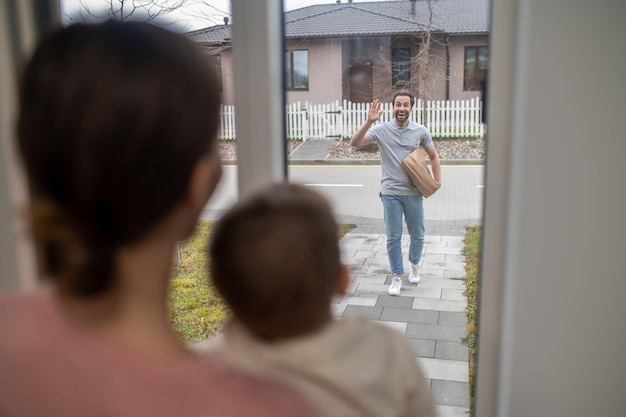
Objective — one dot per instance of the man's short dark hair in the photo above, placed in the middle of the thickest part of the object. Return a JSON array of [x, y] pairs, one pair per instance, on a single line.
[[404, 93]]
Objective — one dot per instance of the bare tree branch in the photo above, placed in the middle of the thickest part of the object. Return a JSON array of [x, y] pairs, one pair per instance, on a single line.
[[209, 13], [146, 10]]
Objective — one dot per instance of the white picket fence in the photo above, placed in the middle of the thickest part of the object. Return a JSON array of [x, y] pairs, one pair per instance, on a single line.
[[444, 119]]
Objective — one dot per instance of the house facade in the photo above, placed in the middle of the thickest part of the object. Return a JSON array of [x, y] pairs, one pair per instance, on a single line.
[[355, 51]]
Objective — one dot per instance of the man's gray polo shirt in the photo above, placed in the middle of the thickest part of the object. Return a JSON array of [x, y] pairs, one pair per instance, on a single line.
[[395, 143]]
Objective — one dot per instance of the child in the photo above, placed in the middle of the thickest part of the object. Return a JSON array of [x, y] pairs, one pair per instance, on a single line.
[[275, 259]]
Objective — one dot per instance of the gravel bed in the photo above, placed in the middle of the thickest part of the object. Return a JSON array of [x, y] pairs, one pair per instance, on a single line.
[[447, 149]]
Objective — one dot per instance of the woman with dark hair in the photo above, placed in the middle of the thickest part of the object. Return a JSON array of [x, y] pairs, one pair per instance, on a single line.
[[117, 131]]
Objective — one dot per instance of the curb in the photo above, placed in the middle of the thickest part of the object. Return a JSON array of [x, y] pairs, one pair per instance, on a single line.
[[361, 162]]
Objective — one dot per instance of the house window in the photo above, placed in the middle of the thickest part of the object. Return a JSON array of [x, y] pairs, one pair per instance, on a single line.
[[475, 67], [297, 68], [400, 67], [217, 62]]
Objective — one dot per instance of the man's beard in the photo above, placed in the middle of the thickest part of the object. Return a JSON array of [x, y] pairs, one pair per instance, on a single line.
[[401, 118]]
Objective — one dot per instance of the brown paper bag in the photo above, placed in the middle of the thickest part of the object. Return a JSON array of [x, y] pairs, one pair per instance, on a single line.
[[415, 165]]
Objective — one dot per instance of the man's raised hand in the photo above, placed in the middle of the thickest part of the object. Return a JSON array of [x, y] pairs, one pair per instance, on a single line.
[[374, 112]]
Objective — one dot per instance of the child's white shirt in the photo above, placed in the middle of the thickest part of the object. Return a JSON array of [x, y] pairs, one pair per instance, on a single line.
[[351, 367]]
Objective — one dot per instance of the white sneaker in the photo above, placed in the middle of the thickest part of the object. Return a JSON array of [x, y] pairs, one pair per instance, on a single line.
[[396, 286], [414, 275]]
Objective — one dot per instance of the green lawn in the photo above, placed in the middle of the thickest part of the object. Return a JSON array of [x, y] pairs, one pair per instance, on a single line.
[[196, 311]]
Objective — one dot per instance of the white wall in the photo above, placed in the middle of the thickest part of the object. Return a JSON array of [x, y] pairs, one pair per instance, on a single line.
[[457, 65], [324, 71], [553, 337]]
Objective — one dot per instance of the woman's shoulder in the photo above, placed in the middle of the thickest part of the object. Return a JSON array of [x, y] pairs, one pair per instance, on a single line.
[[18, 309], [37, 345]]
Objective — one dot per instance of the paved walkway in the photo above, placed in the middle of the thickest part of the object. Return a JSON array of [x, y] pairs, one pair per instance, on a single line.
[[431, 314], [314, 151]]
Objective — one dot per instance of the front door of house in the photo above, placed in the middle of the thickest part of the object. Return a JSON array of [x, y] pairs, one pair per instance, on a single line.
[[360, 83]]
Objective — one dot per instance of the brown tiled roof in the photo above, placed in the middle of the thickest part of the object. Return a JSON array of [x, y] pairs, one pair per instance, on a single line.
[[372, 19]]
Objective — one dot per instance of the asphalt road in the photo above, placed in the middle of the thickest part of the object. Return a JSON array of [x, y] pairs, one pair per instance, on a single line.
[[353, 192]]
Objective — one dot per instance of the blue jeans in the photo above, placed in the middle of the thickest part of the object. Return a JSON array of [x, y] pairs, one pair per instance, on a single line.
[[412, 207]]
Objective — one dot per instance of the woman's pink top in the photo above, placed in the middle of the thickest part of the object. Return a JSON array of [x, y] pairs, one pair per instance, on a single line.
[[49, 367]]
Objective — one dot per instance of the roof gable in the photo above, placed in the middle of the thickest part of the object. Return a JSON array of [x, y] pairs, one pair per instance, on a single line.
[[349, 20], [211, 35], [372, 19]]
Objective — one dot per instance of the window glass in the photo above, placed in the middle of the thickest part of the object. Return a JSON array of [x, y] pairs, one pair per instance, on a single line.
[[301, 69], [401, 72], [470, 62], [357, 51], [482, 58], [475, 70], [217, 61], [297, 69], [288, 70]]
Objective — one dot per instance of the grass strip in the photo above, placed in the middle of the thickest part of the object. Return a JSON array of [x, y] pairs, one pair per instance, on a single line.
[[471, 251]]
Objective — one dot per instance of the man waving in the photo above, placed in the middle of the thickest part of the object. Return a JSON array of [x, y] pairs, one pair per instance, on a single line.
[[397, 139]]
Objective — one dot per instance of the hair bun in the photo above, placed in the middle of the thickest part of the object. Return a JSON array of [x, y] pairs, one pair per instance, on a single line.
[[69, 249]]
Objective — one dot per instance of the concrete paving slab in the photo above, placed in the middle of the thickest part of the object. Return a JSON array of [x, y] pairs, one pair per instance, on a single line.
[[410, 316], [365, 253], [360, 300], [452, 294], [373, 271], [354, 264], [370, 289], [444, 369], [439, 305], [435, 331], [433, 258], [450, 411], [392, 301], [423, 348], [441, 249], [453, 274], [441, 263], [450, 393], [431, 273], [378, 268], [411, 290], [451, 350], [447, 318], [396, 325], [455, 257], [453, 240], [377, 280], [429, 282], [372, 313]]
